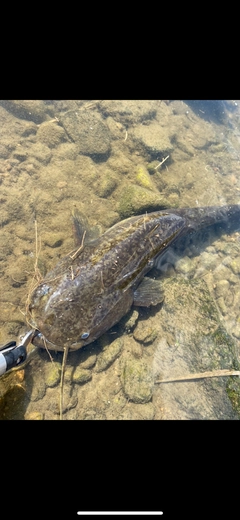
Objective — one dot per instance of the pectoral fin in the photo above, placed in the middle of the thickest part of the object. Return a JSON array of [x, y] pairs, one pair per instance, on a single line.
[[149, 292]]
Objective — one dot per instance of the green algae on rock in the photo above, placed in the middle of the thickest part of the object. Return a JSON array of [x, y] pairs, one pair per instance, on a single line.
[[106, 185], [81, 375], [144, 179], [135, 199], [233, 392], [34, 416], [137, 381], [52, 374], [145, 333]]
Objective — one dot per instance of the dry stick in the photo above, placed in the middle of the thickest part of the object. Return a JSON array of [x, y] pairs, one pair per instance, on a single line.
[[160, 164], [37, 275], [64, 361], [79, 249], [201, 375], [37, 253], [47, 349]]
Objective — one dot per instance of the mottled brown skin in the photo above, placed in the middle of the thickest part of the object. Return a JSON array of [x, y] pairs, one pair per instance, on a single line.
[[93, 287]]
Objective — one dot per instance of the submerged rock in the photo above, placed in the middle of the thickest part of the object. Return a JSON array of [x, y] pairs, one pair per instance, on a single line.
[[130, 322], [33, 109], [88, 131], [137, 381], [52, 374], [153, 139], [109, 354], [51, 134], [143, 178], [144, 333], [34, 416], [128, 112], [81, 375], [235, 265], [135, 199]]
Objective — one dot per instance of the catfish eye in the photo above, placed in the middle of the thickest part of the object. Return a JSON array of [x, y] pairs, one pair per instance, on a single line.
[[85, 335]]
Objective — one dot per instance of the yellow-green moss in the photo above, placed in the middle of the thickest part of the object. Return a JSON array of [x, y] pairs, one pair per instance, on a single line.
[[143, 178], [135, 200], [52, 374]]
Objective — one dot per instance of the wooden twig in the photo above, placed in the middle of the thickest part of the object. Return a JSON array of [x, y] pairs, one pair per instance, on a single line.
[[160, 164], [201, 375]]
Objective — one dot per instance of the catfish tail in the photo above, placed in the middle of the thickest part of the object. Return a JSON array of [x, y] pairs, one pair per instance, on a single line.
[[199, 218]]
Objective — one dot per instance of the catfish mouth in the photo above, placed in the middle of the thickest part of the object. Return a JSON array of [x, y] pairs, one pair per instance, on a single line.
[[41, 341]]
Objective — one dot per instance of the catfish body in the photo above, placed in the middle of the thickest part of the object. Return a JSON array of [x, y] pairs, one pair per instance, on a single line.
[[93, 287]]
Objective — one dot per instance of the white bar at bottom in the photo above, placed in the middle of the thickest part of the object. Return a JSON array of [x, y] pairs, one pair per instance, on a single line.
[[120, 513]]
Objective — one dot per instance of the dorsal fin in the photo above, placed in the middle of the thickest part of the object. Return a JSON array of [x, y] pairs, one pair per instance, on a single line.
[[81, 227]]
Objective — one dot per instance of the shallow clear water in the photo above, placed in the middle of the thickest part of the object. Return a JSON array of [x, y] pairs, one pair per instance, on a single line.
[[109, 160]]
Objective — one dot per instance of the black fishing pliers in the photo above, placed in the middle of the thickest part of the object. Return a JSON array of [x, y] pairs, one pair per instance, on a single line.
[[13, 355]]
